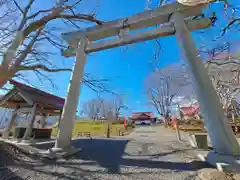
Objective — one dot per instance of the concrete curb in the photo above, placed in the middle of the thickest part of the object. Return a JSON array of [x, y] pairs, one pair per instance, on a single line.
[[29, 150]]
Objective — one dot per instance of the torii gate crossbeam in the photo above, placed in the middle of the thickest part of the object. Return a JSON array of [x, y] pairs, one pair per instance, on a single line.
[[173, 16]]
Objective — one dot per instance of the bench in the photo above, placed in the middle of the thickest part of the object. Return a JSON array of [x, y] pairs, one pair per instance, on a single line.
[[191, 129], [85, 134], [119, 132]]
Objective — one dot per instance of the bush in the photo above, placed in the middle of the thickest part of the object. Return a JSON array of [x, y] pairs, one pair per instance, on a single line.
[[130, 126]]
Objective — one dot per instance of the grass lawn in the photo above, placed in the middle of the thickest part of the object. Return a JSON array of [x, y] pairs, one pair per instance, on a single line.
[[96, 128]]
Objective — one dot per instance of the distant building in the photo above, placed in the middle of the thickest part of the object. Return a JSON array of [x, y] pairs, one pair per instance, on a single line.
[[143, 118], [192, 111]]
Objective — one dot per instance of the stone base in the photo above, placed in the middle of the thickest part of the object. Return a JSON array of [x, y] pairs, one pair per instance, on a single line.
[[198, 140], [26, 141], [27, 148], [224, 163], [54, 153]]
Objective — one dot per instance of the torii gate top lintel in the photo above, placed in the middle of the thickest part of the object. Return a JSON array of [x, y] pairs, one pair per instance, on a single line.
[[141, 20], [138, 21]]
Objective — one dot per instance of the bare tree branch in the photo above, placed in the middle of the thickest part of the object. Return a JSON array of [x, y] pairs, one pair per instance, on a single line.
[[25, 11], [41, 67], [39, 12], [44, 20], [17, 5], [25, 36], [27, 50], [229, 25]]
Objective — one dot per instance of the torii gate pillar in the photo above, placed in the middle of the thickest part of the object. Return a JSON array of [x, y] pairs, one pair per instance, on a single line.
[[64, 137], [223, 139]]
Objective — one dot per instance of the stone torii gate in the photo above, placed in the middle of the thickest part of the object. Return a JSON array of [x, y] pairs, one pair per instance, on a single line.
[[174, 20]]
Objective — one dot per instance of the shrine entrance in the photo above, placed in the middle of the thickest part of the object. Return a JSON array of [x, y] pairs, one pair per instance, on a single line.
[[174, 19]]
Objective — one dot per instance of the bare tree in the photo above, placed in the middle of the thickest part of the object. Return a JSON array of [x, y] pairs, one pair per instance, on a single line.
[[99, 107], [28, 38], [93, 108], [118, 104], [163, 85], [223, 67], [224, 73]]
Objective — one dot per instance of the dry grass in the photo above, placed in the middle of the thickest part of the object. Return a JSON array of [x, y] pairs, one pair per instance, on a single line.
[[191, 125], [96, 128]]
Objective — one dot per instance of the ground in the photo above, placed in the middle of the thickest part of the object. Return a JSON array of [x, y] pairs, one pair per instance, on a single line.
[[147, 153]]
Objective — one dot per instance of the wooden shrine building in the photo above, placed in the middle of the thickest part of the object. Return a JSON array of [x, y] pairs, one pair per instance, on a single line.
[[26, 99]]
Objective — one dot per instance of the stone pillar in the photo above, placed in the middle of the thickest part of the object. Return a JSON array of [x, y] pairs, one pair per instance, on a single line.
[[28, 131], [64, 137], [43, 120], [222, 137]]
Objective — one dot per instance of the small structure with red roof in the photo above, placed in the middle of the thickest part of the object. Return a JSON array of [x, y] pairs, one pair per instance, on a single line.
[[24, 95], [143, 118], [192, 111], [24, 99]]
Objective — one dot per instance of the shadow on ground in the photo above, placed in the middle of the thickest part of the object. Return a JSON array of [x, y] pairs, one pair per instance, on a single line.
[[106, 153], [6, 160]]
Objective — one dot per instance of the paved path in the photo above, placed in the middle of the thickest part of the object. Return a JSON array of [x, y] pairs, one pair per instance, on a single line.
[[147, 153]]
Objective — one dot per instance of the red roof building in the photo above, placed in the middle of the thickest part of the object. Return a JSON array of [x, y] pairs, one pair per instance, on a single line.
[[190, 110], [142, 117], [21, 95]]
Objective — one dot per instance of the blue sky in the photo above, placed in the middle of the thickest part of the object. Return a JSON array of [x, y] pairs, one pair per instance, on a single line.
[[129, 66]]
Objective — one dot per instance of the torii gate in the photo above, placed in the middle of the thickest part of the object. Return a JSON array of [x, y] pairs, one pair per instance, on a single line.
[[174, 22]]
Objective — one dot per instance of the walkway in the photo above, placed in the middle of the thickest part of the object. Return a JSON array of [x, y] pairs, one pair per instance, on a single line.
[[148, 153]]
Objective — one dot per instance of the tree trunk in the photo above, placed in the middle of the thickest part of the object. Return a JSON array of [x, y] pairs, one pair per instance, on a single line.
[[3, 80], [166, 121], [5, 76]]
